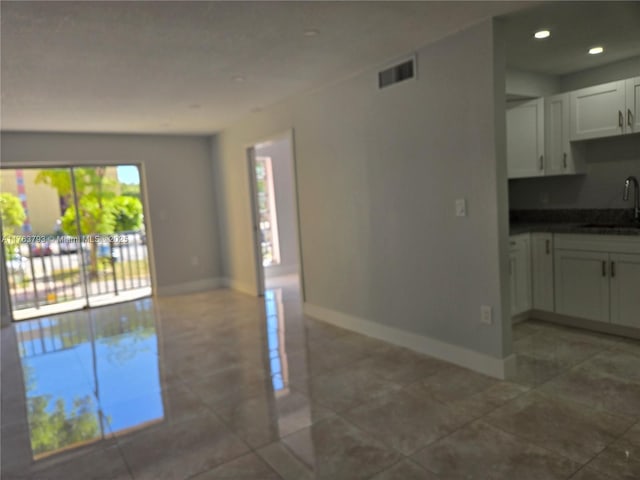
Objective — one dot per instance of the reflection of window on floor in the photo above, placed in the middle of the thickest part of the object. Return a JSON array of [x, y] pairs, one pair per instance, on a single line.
[[275, 340], [267, 212]]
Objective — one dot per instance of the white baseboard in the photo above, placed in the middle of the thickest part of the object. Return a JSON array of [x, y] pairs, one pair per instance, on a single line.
[[191, 287], [280, 270], [495, 367], [247, 288]]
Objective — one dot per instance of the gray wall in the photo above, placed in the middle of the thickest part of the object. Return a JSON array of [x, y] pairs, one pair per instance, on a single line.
[[283, 183], [179, 182], [609, 162], [608, 73], [378, 174]]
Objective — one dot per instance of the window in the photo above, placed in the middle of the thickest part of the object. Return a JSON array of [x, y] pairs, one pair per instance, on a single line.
[[267, 212]]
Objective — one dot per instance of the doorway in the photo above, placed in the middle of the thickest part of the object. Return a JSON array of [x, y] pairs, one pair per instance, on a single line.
[[73, 238], [275, 213]]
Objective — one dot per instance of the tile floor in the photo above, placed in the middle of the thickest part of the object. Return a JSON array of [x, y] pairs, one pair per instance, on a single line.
[[220, 385]]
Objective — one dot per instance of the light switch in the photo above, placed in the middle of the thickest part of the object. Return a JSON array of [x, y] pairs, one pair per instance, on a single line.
[[461, 207]]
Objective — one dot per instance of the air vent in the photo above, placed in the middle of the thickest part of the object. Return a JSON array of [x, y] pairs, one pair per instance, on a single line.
[[397, 73]]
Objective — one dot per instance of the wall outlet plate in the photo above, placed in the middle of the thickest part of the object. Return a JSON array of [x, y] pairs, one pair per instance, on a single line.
[[486, 314], [461, 207]]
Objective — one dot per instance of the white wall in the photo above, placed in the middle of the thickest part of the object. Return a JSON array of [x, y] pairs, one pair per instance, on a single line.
[[280, 153], [607, 73], [609, 162], [378, 173], [179, 183], [520, 83]]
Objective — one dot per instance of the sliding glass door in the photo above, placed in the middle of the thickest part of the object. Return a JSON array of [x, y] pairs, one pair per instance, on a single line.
[[73, 238]]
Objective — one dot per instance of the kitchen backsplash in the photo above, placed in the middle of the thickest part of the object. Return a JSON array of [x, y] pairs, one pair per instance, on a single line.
[[609, 162]]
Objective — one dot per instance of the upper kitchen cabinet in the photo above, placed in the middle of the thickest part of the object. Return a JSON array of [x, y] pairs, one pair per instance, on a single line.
[[560, 156], [605, 110], [525, 138], [633, 105]]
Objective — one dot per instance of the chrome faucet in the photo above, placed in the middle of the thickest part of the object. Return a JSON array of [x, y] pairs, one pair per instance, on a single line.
[[636, 196]]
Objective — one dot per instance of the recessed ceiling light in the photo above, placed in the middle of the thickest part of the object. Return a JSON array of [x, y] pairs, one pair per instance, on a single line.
[[238, 78], [595, 50], [311, 32], [542, 34]]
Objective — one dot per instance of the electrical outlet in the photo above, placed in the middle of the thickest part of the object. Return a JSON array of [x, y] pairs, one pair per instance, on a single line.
[[486, 314], [461, 207]]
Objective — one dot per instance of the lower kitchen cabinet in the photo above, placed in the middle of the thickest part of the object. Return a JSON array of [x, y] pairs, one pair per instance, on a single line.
[[624, 271], [582, 284], [520, 273], [542, 271], [598, 278]]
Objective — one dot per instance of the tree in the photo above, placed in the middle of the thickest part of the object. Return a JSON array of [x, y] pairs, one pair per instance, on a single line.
[[94, 192], [53, 430], [13, 217], [127, 212]]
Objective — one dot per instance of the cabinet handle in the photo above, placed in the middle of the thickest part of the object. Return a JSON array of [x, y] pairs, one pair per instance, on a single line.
[[613, 269], [604, 268], [629, 117], [564, 160], [541, 162], [548, 246], [620, 119]]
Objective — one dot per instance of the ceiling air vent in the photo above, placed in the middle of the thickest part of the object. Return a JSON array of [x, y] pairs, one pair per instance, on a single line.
[[397, 73]]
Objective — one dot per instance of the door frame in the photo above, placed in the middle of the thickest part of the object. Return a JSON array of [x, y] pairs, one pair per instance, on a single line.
[[250, 151]]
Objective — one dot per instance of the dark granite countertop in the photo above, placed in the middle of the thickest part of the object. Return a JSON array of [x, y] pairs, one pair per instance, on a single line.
[[585, 221], [557, 227]]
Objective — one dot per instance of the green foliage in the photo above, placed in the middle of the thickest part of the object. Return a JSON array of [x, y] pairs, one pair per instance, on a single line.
[[127, 212], [52, 430], [94, 217], [60, 428], [13, 215]]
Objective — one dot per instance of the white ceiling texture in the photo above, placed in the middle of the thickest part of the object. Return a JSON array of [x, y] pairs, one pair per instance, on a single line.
[[195, 67]]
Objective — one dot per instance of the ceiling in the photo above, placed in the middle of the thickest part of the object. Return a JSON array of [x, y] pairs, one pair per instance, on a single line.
[[196, 67], [575, 27]]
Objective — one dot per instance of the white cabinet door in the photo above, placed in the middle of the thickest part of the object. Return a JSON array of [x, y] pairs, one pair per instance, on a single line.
[[582, 284], [556, 134], [542, 271], [625, 289], [632, 120], [598, 111], [525, 138], [520, 274]]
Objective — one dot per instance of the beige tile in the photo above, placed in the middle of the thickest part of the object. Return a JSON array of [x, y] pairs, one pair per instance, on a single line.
[[485, 452], [588, 473], [181, 450], [402, 366], [452, 383], [562, 426], [331, 449], [97, 464], [405, 470], [620, 460], [633, 435], [565, 351], [264, 419], [623, 364], [247, 467], [345, 388], [407, 421], [597, 390], [532, 371]]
